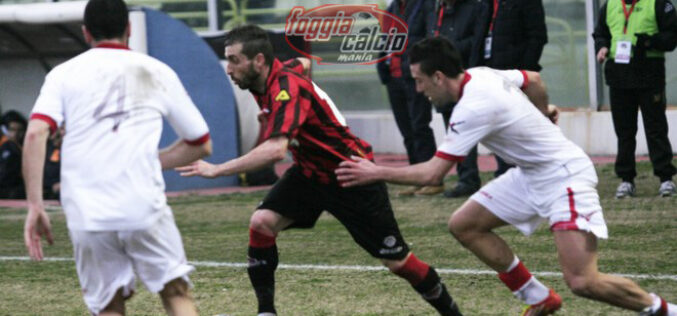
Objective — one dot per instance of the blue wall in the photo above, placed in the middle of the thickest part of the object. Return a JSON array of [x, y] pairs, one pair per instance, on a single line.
[[199, 69]]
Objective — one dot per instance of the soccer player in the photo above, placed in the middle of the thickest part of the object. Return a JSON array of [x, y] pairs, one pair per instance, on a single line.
[[112, 102], [554, 180], [298, 116]]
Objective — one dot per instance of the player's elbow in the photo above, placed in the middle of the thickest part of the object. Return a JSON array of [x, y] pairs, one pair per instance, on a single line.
[[432, 179], [206, 149]]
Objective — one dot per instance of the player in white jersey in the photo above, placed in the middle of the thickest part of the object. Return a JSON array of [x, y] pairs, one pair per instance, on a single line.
[[554, 179], [112, 102]]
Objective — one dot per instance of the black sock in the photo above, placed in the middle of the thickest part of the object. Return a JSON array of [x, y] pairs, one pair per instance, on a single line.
[[435, 293], [261, 270]]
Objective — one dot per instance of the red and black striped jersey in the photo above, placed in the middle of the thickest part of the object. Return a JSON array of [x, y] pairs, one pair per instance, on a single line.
[[319, 139]]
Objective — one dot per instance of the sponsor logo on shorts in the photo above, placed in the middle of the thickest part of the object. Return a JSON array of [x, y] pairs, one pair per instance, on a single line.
[[390, 251], [588, 216], [487, 195], [253, 262], [390, 241], [361, 34]]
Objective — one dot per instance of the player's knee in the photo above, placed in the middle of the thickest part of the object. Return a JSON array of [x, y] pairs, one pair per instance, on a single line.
[[175, 288], [461, 230], [580, 285], [261, 222], [393, 265]]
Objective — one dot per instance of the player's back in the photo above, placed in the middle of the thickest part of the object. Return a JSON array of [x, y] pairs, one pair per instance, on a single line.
[[518, 131], [113, 101]]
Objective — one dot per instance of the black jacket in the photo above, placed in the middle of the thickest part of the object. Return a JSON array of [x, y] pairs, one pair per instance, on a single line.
[[461, 25], [518, 36], [415, 17], [640, 72], [11, 181]]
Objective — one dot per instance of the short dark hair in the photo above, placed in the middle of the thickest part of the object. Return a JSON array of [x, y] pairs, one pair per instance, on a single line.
[[437, 53], [13, 116], [254, 40], [106, 19]]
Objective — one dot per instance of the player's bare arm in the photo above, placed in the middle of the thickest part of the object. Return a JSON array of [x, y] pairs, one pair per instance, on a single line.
[[362, 171], [537, 93], [270, 151], [37, 221], [181, 153]]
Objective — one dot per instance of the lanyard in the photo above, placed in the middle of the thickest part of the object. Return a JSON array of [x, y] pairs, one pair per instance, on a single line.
[[493, 15], [439, 19], [627, 14]]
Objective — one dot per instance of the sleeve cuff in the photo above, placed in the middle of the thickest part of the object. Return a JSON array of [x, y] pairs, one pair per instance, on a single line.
[[449, 157], [199, 141], [525, 83], [47, 119]]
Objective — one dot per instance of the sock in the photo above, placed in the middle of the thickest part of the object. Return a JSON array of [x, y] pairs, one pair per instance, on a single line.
[[262, 262], [522, 284], [424, 279], [660, 307]]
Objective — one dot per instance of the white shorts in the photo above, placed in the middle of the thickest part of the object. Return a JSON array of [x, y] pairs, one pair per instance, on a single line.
[[572, 204], [106, 260]]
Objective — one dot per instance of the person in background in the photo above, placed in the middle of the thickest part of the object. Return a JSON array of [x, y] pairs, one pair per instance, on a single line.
[[411, 109], [632, 37], [459, 22], [513, 37], [13, 125], [52, 180]]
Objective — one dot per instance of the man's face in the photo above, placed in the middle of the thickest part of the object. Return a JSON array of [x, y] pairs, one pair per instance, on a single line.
[[16, 131], [431, 86], [240, 68]]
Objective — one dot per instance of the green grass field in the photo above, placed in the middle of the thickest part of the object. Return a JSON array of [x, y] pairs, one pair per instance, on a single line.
[[643, 240]]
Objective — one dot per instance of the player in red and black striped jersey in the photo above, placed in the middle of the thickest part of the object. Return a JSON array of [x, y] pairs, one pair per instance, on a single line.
[[298, 116], [294, 107]]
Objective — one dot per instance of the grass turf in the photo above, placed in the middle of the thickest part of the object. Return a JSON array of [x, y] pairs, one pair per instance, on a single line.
[[643, 240]]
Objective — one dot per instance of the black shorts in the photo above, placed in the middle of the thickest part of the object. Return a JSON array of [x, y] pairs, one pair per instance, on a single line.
[[365, 211]]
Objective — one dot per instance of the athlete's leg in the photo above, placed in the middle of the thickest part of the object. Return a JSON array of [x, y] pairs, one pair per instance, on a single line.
[[116, 307], [425, 280], [578, 257], [472, 226], [262, 255], [176, 298]]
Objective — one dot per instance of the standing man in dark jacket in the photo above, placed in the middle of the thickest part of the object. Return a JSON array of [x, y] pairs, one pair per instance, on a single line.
[[460, 22], [632, 36], [513, 37], [412, 111]]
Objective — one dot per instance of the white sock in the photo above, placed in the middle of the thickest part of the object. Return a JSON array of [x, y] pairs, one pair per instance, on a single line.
[[672, 308], [533, 292]]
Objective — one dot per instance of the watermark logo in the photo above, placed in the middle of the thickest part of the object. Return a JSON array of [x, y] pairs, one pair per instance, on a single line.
[[347, 34]]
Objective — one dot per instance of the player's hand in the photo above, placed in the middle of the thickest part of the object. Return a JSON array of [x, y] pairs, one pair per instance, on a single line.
[[37, 225], [601, 54], [360, 171], [199, 168], [553, 113]]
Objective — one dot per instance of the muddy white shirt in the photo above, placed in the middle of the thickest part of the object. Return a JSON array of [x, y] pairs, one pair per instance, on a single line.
[[112, 102], [494, 111]]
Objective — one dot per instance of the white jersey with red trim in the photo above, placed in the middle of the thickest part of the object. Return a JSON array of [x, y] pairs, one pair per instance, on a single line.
[[111, 102], [493, 110]]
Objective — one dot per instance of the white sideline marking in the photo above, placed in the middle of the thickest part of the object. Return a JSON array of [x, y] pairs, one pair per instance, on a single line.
[[367, 268]]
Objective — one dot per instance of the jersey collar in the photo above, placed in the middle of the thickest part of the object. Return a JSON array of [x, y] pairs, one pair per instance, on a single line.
[[466, 78], [272, 74], [112, 45]]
